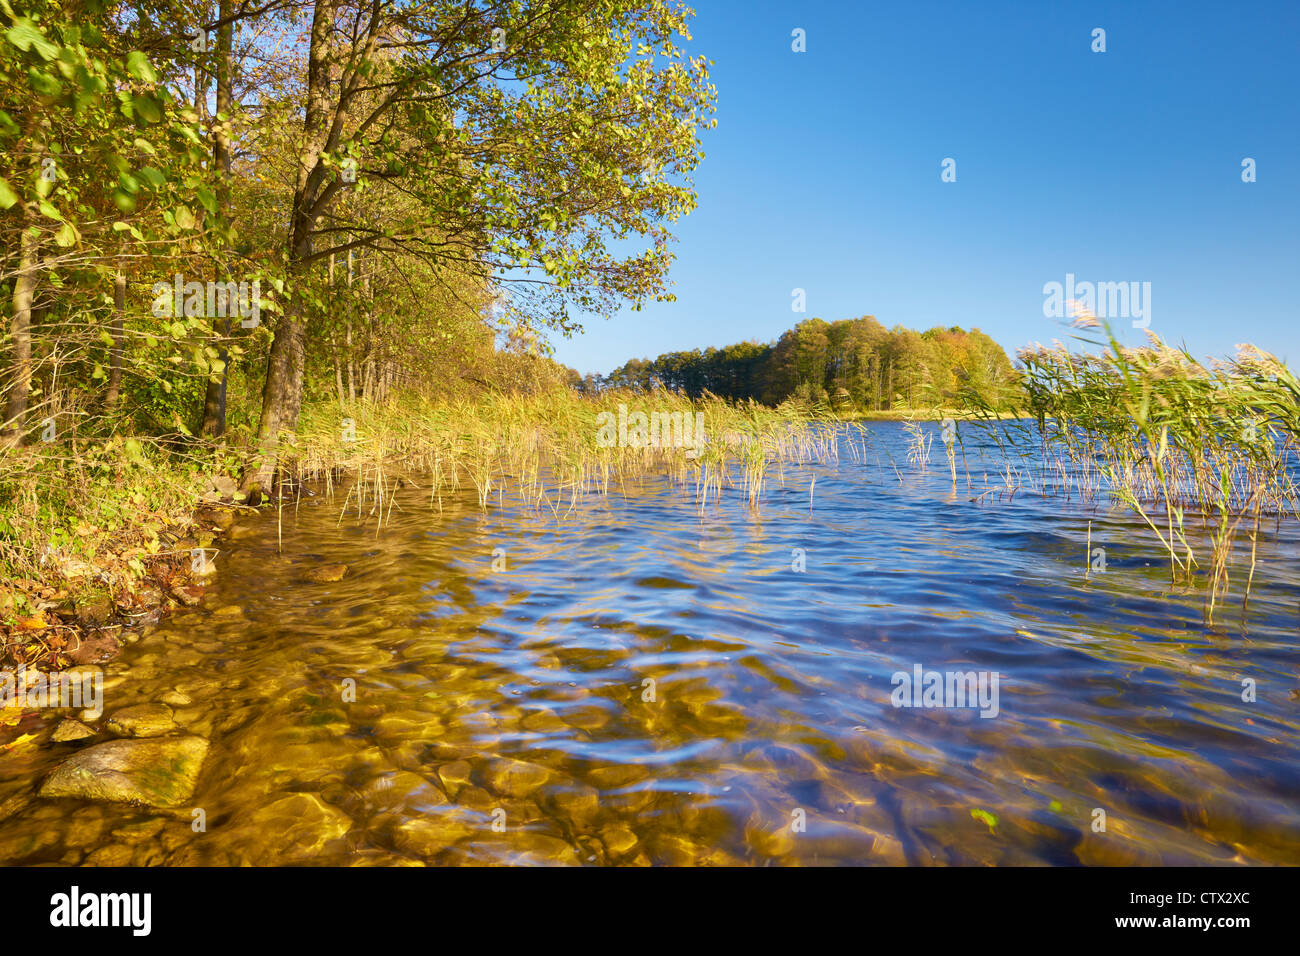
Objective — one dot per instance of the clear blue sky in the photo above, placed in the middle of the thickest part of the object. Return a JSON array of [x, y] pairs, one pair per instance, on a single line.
[[824, 171]]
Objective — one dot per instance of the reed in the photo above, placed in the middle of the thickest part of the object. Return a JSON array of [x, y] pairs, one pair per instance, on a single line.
[[1186, 446], [544, 448]]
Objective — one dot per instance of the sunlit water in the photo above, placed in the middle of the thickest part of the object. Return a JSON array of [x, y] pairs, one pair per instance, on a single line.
[[641, 683]]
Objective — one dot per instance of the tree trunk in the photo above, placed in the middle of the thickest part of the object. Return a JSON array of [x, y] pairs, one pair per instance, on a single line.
[[282, 392], [352, 371], [115, 354], [352, 368], [214, 398], [338, 375], [21, 331]]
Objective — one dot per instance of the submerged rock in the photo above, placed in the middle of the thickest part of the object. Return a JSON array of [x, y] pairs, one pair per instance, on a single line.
[[543, 722], [617, 775], [14, 803], [575, 802], [142, 720], [455, 776], [94, 608], [95, 647], [428, 836], [189, 595], [297, 826], [140, 831], [84, 828], [513, 778], [160, 772], [327, 573], [619, 840], [18, 843], [222, 518], [115, 854], [70, 729], [539, 849]]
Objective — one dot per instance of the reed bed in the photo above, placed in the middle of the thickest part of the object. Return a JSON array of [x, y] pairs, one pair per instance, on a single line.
[[546, 448], [98, 512], [1199, 452]]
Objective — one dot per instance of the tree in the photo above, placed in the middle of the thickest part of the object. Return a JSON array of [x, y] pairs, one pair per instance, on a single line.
[[527, 133], [99, 162], [851, 363]]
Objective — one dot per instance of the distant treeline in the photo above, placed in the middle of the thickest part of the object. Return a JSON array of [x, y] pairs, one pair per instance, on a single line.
[[849, 364]]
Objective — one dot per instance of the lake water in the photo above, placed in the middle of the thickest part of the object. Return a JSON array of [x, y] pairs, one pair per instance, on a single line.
[[638, 682]]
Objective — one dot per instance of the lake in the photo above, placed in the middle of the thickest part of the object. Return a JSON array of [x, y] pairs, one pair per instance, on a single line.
[[637, 681]]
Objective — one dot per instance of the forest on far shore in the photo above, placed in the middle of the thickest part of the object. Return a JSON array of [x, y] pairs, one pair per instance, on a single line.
[[850, 364]]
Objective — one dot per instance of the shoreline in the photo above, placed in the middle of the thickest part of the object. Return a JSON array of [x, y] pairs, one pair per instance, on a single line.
[[86, 616]]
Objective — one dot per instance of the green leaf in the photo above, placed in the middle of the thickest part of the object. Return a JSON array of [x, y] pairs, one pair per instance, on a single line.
[[44, 84], [984, 816], [124, 200], [138, 65], [26, 36], [66, 236], [7, 195], [146, 107]]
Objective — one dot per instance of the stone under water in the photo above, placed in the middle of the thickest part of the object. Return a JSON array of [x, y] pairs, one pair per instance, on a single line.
[[160, 772]]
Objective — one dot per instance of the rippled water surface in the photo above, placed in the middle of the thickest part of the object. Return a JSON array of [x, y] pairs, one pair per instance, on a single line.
[[642, 683]]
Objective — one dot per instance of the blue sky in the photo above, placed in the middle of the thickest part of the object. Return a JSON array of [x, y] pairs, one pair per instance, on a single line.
[[1123, 166]]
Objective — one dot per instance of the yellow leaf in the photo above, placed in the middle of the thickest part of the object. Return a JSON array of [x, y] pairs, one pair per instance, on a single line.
[[24, 741]]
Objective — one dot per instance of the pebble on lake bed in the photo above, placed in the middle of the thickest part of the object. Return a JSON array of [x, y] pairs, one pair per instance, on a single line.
[[189, 595], [70, 729], [142, 720], [327, 573], [512, 778]]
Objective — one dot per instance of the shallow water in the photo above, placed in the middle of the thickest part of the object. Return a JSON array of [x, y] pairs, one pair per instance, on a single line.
[[646, 684]]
